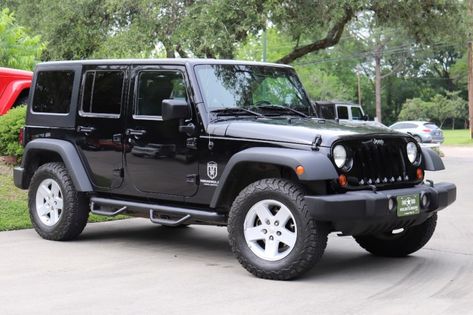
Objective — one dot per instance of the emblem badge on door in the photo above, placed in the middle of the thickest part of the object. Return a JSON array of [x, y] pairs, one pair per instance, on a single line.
[[212, 170]]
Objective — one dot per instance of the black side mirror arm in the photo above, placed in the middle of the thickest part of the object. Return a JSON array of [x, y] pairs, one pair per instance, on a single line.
[[187, 128]]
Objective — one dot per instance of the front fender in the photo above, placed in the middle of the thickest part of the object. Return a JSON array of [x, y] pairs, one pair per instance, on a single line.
[[317, 166], [11, 93], [432, 161]]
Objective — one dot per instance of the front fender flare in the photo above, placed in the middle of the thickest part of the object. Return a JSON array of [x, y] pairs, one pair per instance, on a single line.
[[317, 165], [432, 161]]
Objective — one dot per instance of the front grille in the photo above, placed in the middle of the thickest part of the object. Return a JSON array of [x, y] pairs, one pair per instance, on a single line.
[[379, 162]]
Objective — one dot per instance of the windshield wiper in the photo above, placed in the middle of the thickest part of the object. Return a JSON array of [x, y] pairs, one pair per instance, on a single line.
[[235, 111], [282, 108]]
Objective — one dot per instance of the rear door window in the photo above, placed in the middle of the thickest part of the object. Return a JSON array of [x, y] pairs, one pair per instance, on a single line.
[[342, 112], [102, 93]]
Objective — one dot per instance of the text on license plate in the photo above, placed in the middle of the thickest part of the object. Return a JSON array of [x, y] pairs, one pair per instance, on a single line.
[[407, 205]]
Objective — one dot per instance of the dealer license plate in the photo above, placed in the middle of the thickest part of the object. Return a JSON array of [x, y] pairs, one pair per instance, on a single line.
[[407, 205]]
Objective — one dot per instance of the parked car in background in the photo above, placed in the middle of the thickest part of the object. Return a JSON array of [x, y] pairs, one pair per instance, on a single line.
[[14, 88], [345, 113], [339, 110], [422, 131]]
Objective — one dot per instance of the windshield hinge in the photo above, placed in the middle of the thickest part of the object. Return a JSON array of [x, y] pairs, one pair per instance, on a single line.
[[316, 143]]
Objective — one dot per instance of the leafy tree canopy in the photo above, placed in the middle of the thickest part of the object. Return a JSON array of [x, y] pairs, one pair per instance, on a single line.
[[17, 48]]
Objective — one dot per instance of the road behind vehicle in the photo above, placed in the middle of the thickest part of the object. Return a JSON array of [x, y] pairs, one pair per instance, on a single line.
[[221, 142], [422, 131], [14, 88]]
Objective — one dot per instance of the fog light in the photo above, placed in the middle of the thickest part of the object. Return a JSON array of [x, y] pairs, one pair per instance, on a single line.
[[391, 204], [424, 200]]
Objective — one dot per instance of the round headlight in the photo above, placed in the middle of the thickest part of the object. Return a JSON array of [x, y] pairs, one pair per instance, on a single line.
[[339, 155], [411, 149]]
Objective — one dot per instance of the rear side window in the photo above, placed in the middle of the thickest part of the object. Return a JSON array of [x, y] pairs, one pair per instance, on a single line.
[[53, 92], [327, 111], [342, 112], [102, 92]]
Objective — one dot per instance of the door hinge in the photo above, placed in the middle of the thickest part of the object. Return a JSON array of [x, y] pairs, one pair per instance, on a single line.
[[191, 143], [192, 179], [120, 172]]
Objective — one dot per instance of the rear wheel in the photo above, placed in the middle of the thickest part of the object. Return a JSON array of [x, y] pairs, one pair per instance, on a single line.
[[399, 244], [57, 211], [271, 231]]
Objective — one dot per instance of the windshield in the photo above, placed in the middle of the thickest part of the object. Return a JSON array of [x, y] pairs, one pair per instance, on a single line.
[[246, 86]]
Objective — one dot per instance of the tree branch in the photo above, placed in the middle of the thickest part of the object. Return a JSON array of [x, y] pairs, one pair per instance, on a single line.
[[331, 39], [395, 69]]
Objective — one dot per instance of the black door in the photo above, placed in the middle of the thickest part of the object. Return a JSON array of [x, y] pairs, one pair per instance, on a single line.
[[157, 157], [101, 124]]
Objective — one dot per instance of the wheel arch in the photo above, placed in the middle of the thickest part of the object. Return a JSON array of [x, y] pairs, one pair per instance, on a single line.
[[432, 161], [266, 162], [41, 151]]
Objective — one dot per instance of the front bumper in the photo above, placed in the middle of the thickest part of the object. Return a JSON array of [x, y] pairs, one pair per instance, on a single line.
[[367, 212]]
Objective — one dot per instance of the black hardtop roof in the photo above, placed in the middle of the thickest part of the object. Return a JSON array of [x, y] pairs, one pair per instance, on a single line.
[[169, 61], [336, 102]]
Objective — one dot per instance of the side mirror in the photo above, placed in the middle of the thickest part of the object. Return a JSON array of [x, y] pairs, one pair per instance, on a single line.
[[175, 109], [365, 117]]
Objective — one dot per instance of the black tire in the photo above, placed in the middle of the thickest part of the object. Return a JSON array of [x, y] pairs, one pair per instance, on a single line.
[[22, 100], [311, 236], [74, 213], [399, 245]]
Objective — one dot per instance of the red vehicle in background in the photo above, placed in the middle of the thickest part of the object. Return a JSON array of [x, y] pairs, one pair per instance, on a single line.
[[14, 88]]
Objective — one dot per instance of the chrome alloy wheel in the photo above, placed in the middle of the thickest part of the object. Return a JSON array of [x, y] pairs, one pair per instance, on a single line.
[[270, 230], [49, 202]]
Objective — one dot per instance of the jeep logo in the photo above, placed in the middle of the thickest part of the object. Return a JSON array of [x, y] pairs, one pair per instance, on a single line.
[[378, 141], [375, 141], [212, 170]]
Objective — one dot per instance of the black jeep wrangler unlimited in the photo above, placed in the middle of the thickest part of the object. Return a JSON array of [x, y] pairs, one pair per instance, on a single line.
[[224, 143]]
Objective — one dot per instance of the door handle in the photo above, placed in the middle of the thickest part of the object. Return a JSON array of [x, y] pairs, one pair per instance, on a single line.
[[135, 132], [86, 130]]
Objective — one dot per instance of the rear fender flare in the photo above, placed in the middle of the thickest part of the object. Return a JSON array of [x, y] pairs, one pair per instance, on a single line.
[[69, 156]]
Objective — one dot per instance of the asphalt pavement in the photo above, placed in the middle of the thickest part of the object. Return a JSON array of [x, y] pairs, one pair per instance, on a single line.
[[135, 267]]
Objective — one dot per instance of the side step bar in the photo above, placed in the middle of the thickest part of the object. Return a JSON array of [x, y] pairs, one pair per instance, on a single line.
[[186, 214]]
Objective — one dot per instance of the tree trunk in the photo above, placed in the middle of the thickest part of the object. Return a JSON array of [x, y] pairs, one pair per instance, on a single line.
[[470, 70], [377, 59]]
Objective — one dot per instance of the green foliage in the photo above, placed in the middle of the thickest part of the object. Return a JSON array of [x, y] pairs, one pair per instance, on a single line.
[[10, 125], [415, 109], [17, 49], [438, 109], [323, 86]]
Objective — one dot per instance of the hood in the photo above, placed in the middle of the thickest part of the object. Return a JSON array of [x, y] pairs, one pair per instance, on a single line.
[[292, 130]]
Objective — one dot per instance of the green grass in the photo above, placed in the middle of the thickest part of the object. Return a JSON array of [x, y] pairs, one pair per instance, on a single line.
[[14, 205], [457, 137]]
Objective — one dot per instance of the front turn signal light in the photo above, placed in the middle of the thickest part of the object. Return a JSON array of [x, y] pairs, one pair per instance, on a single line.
[[419, 173], [342, 180], [300, 170]]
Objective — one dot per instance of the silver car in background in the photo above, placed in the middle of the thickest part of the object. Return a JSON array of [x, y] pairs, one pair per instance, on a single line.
[[422, 131]]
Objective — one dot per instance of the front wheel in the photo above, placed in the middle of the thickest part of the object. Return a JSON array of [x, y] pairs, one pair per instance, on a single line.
[[271, 231], [399, 244]]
